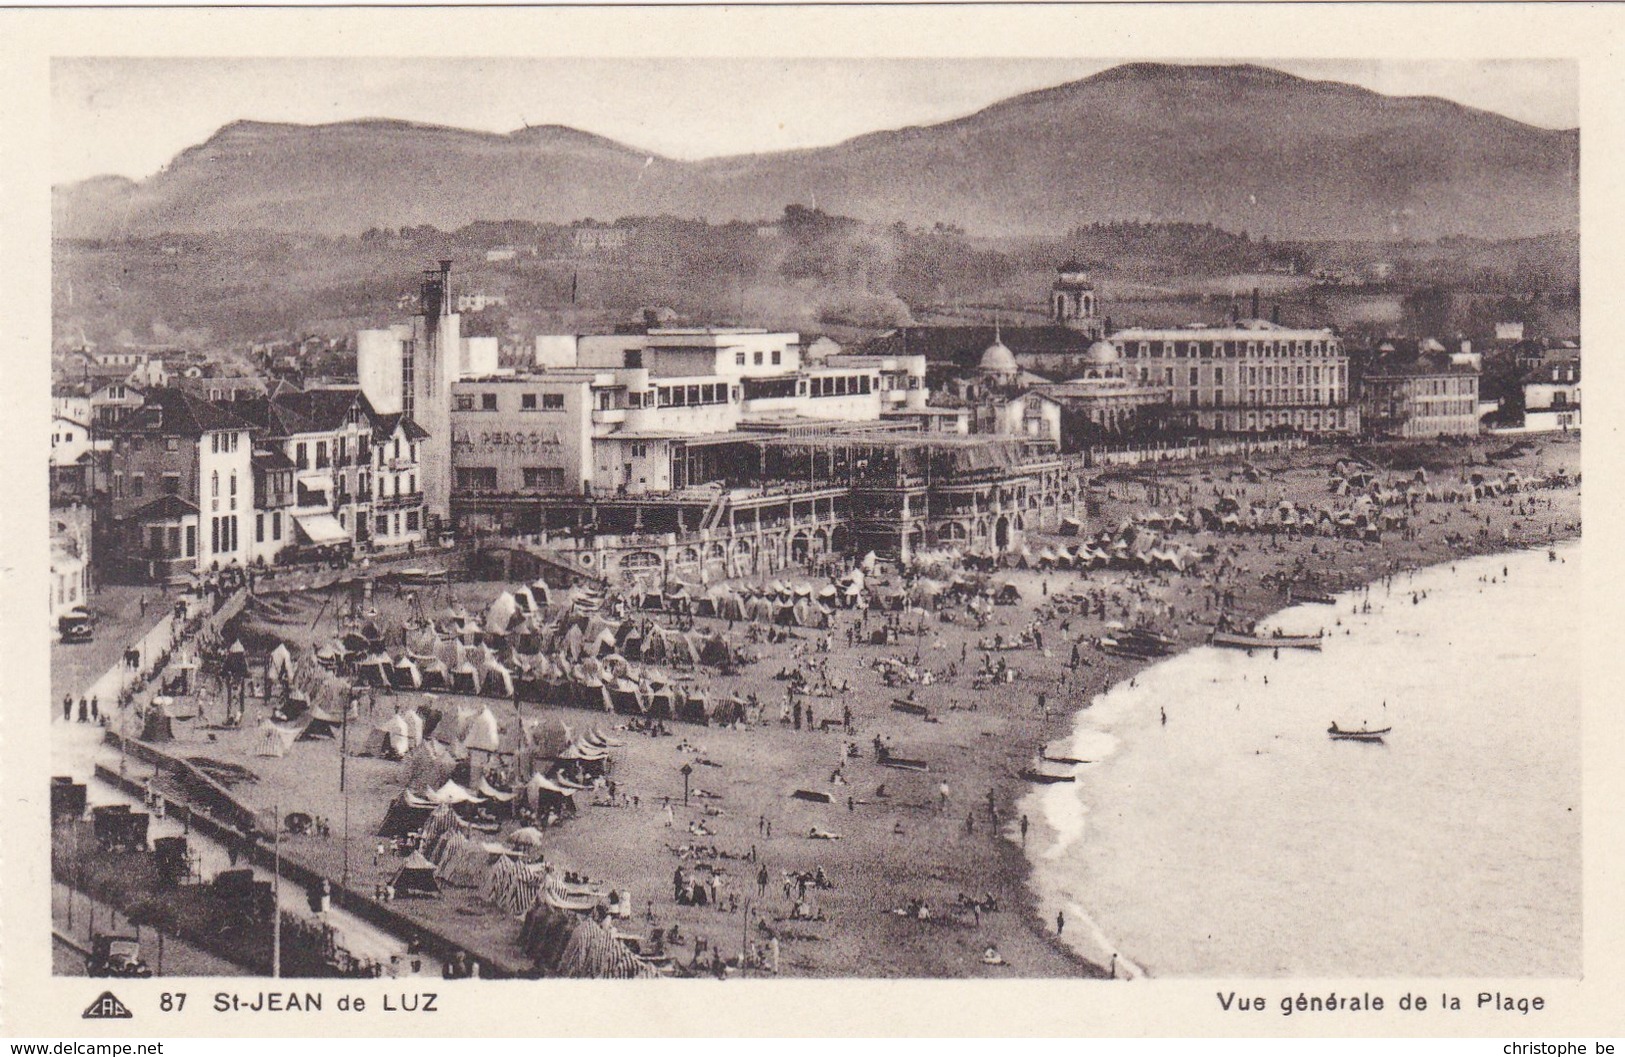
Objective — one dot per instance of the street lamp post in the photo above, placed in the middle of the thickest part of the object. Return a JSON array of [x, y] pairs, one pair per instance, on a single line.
[[687, 769]]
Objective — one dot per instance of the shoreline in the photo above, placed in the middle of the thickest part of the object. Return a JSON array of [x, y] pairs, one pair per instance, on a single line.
[[1038, 919]]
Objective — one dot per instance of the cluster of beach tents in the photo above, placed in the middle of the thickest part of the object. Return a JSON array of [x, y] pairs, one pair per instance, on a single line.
[[781, 603], [545, 765]]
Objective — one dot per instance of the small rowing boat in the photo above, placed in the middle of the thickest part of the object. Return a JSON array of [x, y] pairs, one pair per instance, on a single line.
[[1362, 734], [1236, 641], [1044, 778], [1064, 759], [902, 704], [1319, 598]]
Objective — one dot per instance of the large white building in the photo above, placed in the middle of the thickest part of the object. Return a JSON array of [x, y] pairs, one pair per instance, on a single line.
[[633, 414], [653, 413], [1253, 376]]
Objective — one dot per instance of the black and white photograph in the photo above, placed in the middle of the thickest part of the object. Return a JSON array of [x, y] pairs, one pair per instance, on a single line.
[[776, 511], [831, 518]]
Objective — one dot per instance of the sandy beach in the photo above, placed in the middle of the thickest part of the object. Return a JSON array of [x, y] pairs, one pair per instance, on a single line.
[[900, 838]]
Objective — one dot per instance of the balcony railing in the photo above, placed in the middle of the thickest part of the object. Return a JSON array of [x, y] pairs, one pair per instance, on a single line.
[[398, 502]]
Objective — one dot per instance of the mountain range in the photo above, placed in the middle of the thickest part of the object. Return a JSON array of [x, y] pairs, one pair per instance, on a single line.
[[1241, 147]]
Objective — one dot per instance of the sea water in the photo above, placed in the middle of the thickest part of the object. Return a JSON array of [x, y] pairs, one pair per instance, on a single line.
[[1238, 838]]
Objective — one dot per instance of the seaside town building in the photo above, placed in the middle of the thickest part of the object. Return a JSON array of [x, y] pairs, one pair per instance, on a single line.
[[679, 446], [184, 486], [179, 488], [409, 369], [68, 573], [1250, 377], [1551, 396], [1425, 393]]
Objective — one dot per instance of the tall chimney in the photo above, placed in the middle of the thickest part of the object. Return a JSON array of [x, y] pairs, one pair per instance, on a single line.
[[1275, 314], [1255, 314]]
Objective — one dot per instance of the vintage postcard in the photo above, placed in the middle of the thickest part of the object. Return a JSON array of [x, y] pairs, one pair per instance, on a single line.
[[949, 520]]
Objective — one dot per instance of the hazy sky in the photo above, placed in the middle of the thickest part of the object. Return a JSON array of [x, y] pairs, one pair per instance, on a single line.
[[131, 116]]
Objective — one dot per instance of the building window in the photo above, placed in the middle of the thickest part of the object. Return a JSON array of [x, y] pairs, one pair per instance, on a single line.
[[214, 485], [259, 528], [276, 525], [383, 524], [170, 443], [465, 402], [191, 541], [775, 357], [411, 521], [756, 358], [138, 485], [640, 450], [739, 359], [477, 478], [214, 443], [488, 401], [527, 401], [321, 455], [544, 478], [553, 401]]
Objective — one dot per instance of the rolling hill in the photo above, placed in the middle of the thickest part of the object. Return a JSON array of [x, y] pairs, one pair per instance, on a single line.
[[1241, 147]]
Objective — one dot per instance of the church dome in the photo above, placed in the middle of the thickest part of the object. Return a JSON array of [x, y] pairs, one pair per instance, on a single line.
[[1101, 354], [998, 359]]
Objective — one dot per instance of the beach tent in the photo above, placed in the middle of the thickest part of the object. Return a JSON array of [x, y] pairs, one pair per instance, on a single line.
[[428, 766], [280, 663], [495, 678], [465, 679], [542, 794], [434, 674], [321, 724], [414, 725], [158, 725], [526, 837], [695, 707], [500, 613], [415, 877], [391, 739], [404, 674], [406, 815], [546, 736], [451, 794], [273, 741], [375, 670], [484, 733]]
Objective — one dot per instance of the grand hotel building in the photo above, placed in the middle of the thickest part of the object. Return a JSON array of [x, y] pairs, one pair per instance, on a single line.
[[1251, 376]]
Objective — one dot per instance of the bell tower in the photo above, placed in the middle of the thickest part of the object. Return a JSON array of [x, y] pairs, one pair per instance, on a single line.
[[1073, 301]]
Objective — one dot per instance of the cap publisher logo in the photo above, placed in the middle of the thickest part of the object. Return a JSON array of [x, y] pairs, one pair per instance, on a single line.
[[107, 1007]]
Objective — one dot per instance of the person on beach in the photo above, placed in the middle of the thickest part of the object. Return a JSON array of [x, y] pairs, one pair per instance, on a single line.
[[1023, 831], [1060, 922]]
